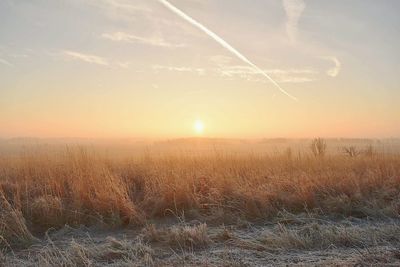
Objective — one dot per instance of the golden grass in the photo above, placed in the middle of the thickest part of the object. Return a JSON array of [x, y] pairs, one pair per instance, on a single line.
[[181, 236], [13, 229], [86, 252], [44, 190]]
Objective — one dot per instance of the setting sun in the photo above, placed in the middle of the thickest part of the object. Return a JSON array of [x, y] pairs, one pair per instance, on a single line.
[[198, 127]]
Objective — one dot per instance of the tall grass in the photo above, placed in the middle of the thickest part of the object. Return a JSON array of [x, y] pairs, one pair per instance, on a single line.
[[44, 190]]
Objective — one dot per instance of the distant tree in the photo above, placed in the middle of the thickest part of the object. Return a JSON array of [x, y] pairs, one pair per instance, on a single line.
[[318, 147]]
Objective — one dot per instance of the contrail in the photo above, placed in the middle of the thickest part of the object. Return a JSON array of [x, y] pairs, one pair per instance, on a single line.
[[223, 43]]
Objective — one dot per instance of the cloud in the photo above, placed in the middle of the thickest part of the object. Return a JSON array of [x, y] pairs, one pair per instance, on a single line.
[[280, 75], [6, 54], [334, 71], [198, 71], [294, 10], [19, 56], [92, 59], [68, 55], [123, 65], [5, 62], [119, 9], [133, 11], [227, 70], [130, 38], [127, 5]]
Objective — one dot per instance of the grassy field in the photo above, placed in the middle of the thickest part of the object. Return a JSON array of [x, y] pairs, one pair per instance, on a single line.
[[76, 206]]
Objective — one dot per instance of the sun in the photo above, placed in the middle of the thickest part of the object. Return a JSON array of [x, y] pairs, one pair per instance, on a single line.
[[198, 126]]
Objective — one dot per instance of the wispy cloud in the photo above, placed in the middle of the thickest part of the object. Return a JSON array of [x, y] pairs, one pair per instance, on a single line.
[[124, 5], [130, 38], [5, 62], [133, 11], [198, 71], [10, 56], [294, 9], [123, 65], [120, 9], [19, 56], [228, 70], [334, 71], [88, 58], [280, 75], [68, 55]]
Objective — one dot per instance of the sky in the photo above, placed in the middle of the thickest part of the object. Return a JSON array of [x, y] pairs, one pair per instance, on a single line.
[[134, 68]]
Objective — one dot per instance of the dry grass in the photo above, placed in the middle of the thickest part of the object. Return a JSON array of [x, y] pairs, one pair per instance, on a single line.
[[40, 191], [319, 236], [86, 252], [179, 236], [13, 229]]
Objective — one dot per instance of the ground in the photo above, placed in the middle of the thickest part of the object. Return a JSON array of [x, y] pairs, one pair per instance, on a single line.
[[288, 241]]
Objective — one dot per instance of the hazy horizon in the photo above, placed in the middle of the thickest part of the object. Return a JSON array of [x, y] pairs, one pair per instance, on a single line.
[[205, 138]]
